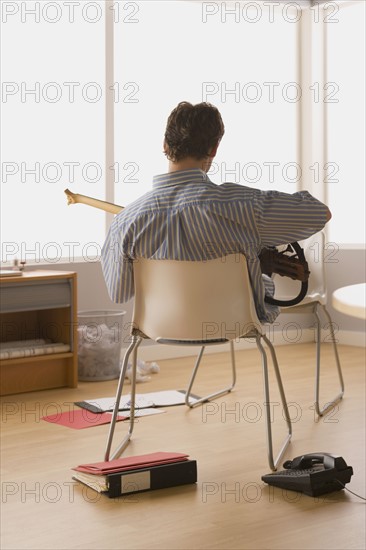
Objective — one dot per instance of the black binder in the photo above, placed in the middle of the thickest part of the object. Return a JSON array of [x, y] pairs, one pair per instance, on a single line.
[[144, 479]]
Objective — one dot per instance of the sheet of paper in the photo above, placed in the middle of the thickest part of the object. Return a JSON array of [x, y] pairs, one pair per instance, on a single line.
[[164, 398], [143, 412]]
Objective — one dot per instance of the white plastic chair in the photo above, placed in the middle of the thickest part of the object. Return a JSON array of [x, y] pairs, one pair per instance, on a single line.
[[196, 303], [314, 301]]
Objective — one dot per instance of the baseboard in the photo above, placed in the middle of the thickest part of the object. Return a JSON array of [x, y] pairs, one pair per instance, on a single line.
[[156, 352], [347, 338]]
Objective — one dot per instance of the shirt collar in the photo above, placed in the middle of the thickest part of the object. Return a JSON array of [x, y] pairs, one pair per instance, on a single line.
[[194, 175]]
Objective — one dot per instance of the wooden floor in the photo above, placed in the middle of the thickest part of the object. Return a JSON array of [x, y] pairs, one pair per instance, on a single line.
[[230, 507]]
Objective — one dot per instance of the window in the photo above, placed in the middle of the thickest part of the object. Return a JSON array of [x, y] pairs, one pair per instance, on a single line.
[[346, 124], [241, 56], [52, 128]]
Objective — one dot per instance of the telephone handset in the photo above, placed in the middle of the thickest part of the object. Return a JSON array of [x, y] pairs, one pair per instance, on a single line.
[[308, 461], [313, 474]]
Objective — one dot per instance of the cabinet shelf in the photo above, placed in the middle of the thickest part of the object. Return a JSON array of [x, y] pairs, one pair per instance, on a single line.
[[36, 358]]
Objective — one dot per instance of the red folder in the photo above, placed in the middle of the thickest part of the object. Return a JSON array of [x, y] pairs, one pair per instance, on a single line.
[[79, 419], [131, 463]]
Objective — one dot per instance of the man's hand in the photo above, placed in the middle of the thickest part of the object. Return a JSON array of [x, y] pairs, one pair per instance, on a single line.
[[286, 263]]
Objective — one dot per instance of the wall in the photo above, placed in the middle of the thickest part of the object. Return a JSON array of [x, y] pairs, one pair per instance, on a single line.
[[350, 269]]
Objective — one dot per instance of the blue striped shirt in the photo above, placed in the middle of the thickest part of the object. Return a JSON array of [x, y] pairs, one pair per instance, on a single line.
[[188, 217]]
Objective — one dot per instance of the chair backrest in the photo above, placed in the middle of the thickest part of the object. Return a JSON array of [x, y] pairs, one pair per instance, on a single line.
[[314, 253], [194, 301]]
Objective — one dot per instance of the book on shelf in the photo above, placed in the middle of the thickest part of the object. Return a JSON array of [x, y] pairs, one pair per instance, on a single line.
[[137, 473], [10, 273], [30, 348]]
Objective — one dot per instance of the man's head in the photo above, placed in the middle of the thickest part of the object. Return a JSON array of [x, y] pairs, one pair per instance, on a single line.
[[193, 131]]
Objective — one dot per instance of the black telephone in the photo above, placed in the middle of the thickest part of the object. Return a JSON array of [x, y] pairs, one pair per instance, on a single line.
[[313, 474]]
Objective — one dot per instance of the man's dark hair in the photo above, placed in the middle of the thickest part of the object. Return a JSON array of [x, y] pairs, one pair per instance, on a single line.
[[192, 131]]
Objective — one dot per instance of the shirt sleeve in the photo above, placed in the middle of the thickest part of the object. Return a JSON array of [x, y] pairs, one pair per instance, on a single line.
[[117, 265], [284, 218]]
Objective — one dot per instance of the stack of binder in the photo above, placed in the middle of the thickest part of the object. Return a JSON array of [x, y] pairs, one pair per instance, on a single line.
[[137, 473]]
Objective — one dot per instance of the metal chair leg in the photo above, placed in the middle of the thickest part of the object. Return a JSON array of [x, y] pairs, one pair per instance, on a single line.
[[136, 340], [273, 463], [335, 400], [188, 396]]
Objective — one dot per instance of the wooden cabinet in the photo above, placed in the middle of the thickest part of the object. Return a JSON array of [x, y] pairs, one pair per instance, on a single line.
[[38, 305]]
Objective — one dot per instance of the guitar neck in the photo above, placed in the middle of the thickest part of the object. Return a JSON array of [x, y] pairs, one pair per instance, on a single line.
[[74, 198]]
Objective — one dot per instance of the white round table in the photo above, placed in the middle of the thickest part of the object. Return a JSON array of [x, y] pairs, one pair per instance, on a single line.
[[351, 300]]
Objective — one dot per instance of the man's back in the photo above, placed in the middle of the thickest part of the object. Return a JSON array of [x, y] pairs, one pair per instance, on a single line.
[[187, 217]]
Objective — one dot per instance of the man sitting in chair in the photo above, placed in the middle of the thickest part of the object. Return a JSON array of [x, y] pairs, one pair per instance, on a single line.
[[188, 217]]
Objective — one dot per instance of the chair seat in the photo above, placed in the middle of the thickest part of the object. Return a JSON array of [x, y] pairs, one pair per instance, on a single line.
[[307, 303], [173, 342]]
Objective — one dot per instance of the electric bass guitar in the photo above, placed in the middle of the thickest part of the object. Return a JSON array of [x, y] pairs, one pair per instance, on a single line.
[[288, 263]]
